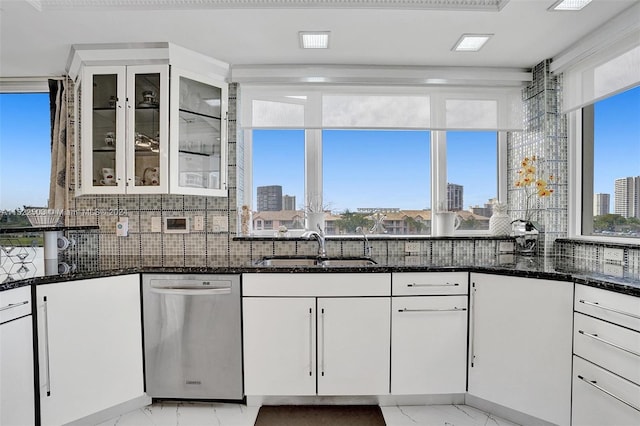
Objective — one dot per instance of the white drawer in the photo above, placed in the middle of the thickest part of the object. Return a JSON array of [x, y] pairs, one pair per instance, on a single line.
[[612, 347], [617, 308], [598, 397], [15, 303], [316, 285], [429, 283]]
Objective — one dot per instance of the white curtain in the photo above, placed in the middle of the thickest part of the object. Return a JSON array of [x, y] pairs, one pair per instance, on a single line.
[[351, 107]]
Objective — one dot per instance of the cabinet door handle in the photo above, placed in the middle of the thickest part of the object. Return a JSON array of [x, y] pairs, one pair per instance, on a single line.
[[454, 309], [594, 383], [606, 308], [600, 339], [310, 341], [322, 342], [432, 285], [45, 318], [473, 325], [13, 305]]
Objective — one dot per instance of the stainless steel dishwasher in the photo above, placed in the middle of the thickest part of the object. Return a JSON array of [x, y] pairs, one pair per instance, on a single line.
[[192, 336]]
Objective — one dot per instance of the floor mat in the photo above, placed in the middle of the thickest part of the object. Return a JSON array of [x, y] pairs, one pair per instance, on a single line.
[[320, 415]]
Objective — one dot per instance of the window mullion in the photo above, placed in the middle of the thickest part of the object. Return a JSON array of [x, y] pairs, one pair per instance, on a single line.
[[438, 176], [313, 170]]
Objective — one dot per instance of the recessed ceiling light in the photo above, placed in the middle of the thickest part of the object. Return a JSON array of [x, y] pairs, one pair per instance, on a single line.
[[471, 42], [563, 5], [314, 39]]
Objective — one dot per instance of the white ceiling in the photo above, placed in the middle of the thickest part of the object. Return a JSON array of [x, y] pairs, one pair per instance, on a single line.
[[35, 40]]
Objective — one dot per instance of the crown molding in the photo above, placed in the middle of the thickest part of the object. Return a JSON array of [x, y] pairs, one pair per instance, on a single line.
[[451, 5]]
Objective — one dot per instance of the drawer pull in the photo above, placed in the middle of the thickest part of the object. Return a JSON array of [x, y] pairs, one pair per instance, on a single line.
[[454, 309], [600, 339], [13, 305], [606, 308], [601, 389], [433, 285]]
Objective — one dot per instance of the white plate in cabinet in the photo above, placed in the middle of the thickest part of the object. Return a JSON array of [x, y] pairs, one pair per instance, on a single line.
[[429, 283], [610, 346], [428, 345], [618, 308], [603, 398]]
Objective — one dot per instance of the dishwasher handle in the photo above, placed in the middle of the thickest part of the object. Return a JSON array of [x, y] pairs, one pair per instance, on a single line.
[[191, 291]]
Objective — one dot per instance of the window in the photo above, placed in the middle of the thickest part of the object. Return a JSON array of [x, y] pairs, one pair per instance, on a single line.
[[611, 166], [25, 162], [383, 172], [472, 178], [278, 179], [378, 158]]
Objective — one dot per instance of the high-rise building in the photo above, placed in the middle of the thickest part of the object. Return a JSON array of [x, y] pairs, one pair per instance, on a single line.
[[601, 204], [627, 197], [454, 197], [288, 202], [269, 198]]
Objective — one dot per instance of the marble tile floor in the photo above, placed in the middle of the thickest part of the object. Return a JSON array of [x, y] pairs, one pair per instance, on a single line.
[[219, 414]]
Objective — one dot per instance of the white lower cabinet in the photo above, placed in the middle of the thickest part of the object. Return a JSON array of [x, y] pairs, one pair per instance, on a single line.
[[308, 345], [520, 344], [429, 345], [603, 398], [281, 356], [429, 332], [90, 346], [279, 345], [353, 346], [17, 405], [606, 362]]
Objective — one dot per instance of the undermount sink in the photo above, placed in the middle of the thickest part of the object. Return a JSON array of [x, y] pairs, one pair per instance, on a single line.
[[292, 261]]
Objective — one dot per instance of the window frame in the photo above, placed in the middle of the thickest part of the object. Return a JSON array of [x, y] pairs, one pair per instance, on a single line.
[[581, 163]]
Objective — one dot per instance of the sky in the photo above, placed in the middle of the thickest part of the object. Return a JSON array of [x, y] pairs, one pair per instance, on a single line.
[[617, 127], [25, 153], [361, 168], [377, 169]]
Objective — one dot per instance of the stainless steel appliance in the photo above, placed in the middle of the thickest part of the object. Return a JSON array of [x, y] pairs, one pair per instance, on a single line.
[[192, 336]]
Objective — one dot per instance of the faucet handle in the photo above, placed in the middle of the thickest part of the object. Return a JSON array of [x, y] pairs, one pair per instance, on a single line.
[[320, 229]]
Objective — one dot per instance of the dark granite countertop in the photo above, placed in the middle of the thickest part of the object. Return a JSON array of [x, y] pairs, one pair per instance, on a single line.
[[528, 267]]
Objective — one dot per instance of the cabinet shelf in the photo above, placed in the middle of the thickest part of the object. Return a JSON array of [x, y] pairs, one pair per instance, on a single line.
[[199, 114], [202, 154]]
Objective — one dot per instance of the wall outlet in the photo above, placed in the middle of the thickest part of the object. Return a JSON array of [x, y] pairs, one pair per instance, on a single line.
[[198, 223], [156, 224], [615, 255], [412, 247], [218, 223], [122, 227]]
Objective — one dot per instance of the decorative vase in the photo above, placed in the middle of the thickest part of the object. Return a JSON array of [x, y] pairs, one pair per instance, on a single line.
[[500, 222]]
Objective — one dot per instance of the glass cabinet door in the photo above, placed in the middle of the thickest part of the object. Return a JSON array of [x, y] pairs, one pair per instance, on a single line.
[[198, 160], [147, 170], [102, 130]]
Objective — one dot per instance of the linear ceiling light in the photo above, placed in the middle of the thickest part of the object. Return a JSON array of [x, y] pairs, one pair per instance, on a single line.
[[471, 42], [564, 5], [314, 39]]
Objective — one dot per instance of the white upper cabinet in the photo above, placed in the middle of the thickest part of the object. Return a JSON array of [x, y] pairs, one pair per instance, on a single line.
[[152, 120], [198, 129], [124, 130]]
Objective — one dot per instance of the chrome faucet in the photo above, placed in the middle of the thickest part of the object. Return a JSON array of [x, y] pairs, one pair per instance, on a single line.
[[367, 246], [319, 236]]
